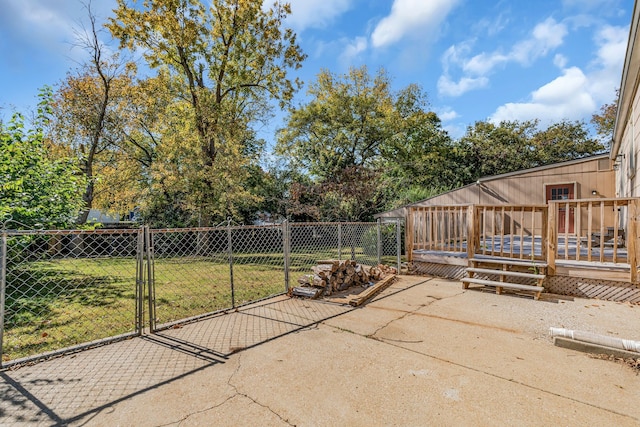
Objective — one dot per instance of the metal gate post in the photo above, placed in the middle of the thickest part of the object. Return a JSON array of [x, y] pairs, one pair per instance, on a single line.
[[399, 243], [230, 254], [379, 245], [140, 282], [3, 286], [286, 250], [340, 241], [151, 279]]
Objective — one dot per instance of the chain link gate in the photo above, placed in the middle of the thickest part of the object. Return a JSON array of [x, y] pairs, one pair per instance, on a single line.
[[61, 291], [64, 290]]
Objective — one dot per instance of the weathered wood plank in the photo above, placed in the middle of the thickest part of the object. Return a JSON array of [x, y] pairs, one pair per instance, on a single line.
[[370, 292]]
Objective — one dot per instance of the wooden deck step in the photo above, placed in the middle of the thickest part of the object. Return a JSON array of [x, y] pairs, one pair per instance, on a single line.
[[499, 285], [508, 261], [506, 273]]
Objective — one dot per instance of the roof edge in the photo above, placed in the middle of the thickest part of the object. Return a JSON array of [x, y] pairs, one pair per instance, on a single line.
[[504, 175], [628, 83]]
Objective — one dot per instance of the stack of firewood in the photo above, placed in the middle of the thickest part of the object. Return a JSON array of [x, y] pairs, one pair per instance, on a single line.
[[334, 275]]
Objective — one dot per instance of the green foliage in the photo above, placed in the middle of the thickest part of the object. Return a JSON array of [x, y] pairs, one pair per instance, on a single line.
[[388, 241], [563, 141], [489, 149], [419, 155], [605, 121], [226, 60], [35, 189], [361, 143], [344, 125], [414, 193]]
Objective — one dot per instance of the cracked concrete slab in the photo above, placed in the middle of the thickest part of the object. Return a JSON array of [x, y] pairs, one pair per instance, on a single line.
[[422, 352]]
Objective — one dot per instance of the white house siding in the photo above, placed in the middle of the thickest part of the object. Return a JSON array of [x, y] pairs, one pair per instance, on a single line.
[[628, 177]]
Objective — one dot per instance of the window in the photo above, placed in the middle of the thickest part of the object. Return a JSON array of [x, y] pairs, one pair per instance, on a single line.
[[559, 193]]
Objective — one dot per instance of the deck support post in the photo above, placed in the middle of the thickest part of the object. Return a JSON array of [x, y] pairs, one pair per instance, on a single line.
[[552, 239], [472, 232], [632, 240], [409, 234]]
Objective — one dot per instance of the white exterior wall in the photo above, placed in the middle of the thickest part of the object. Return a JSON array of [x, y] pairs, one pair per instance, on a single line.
[[628, 171]]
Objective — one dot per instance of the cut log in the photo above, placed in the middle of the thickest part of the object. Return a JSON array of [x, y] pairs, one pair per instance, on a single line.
[[318, 282], [305, 280], [333, 262], [350, 270], [306, 292], [333, 275]]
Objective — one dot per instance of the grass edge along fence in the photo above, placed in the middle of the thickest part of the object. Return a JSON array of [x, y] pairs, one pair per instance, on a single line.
[[65, 290]]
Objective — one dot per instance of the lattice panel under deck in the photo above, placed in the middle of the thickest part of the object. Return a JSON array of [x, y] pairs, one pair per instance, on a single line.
[[439, 270], [593, 288], [561, 285]]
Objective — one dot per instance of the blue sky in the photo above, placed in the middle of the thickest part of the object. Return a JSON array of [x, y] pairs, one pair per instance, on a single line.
[[476, 59]]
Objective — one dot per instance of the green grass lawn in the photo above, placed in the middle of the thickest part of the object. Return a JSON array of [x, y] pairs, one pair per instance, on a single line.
[[64, 302]]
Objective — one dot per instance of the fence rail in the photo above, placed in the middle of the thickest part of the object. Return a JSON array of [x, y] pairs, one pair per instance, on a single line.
[[61, 290]]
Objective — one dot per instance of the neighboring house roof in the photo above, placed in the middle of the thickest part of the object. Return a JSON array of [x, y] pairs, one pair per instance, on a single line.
[[629, 83], [400, 211]]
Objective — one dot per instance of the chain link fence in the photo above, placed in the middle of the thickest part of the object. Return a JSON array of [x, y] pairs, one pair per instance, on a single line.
[[65, 290]]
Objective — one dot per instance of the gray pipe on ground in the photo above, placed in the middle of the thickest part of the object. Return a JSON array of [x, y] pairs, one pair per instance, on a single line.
[[589, 337]]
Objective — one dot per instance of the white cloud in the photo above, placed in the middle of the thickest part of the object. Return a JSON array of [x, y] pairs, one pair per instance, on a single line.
[[575, 94], [455, 131], [314, 13], [607, 65], [483, 63], [612, 42], [546, 36], [353, 49], [410, 17], [560, 60], [448, 114], [455, 54], [493, 26], [448, 87], [566, 97]]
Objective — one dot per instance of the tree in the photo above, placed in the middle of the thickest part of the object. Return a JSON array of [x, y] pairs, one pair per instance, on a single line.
[[364, 145], [36, 190], [337, 137], [488, 149], [563, 141], [418, 156], [228, 57], [344, 125], [88, 108], [606, 120]]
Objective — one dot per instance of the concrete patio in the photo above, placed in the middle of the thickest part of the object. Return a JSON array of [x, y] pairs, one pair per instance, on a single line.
[[424, 352]]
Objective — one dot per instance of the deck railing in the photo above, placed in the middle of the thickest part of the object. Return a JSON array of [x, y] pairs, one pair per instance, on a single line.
[[589, 230], [512, 231], [594, 230], [438, 228]]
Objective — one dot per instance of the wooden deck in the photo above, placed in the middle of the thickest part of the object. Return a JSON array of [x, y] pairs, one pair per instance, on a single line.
[[601, 244]]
